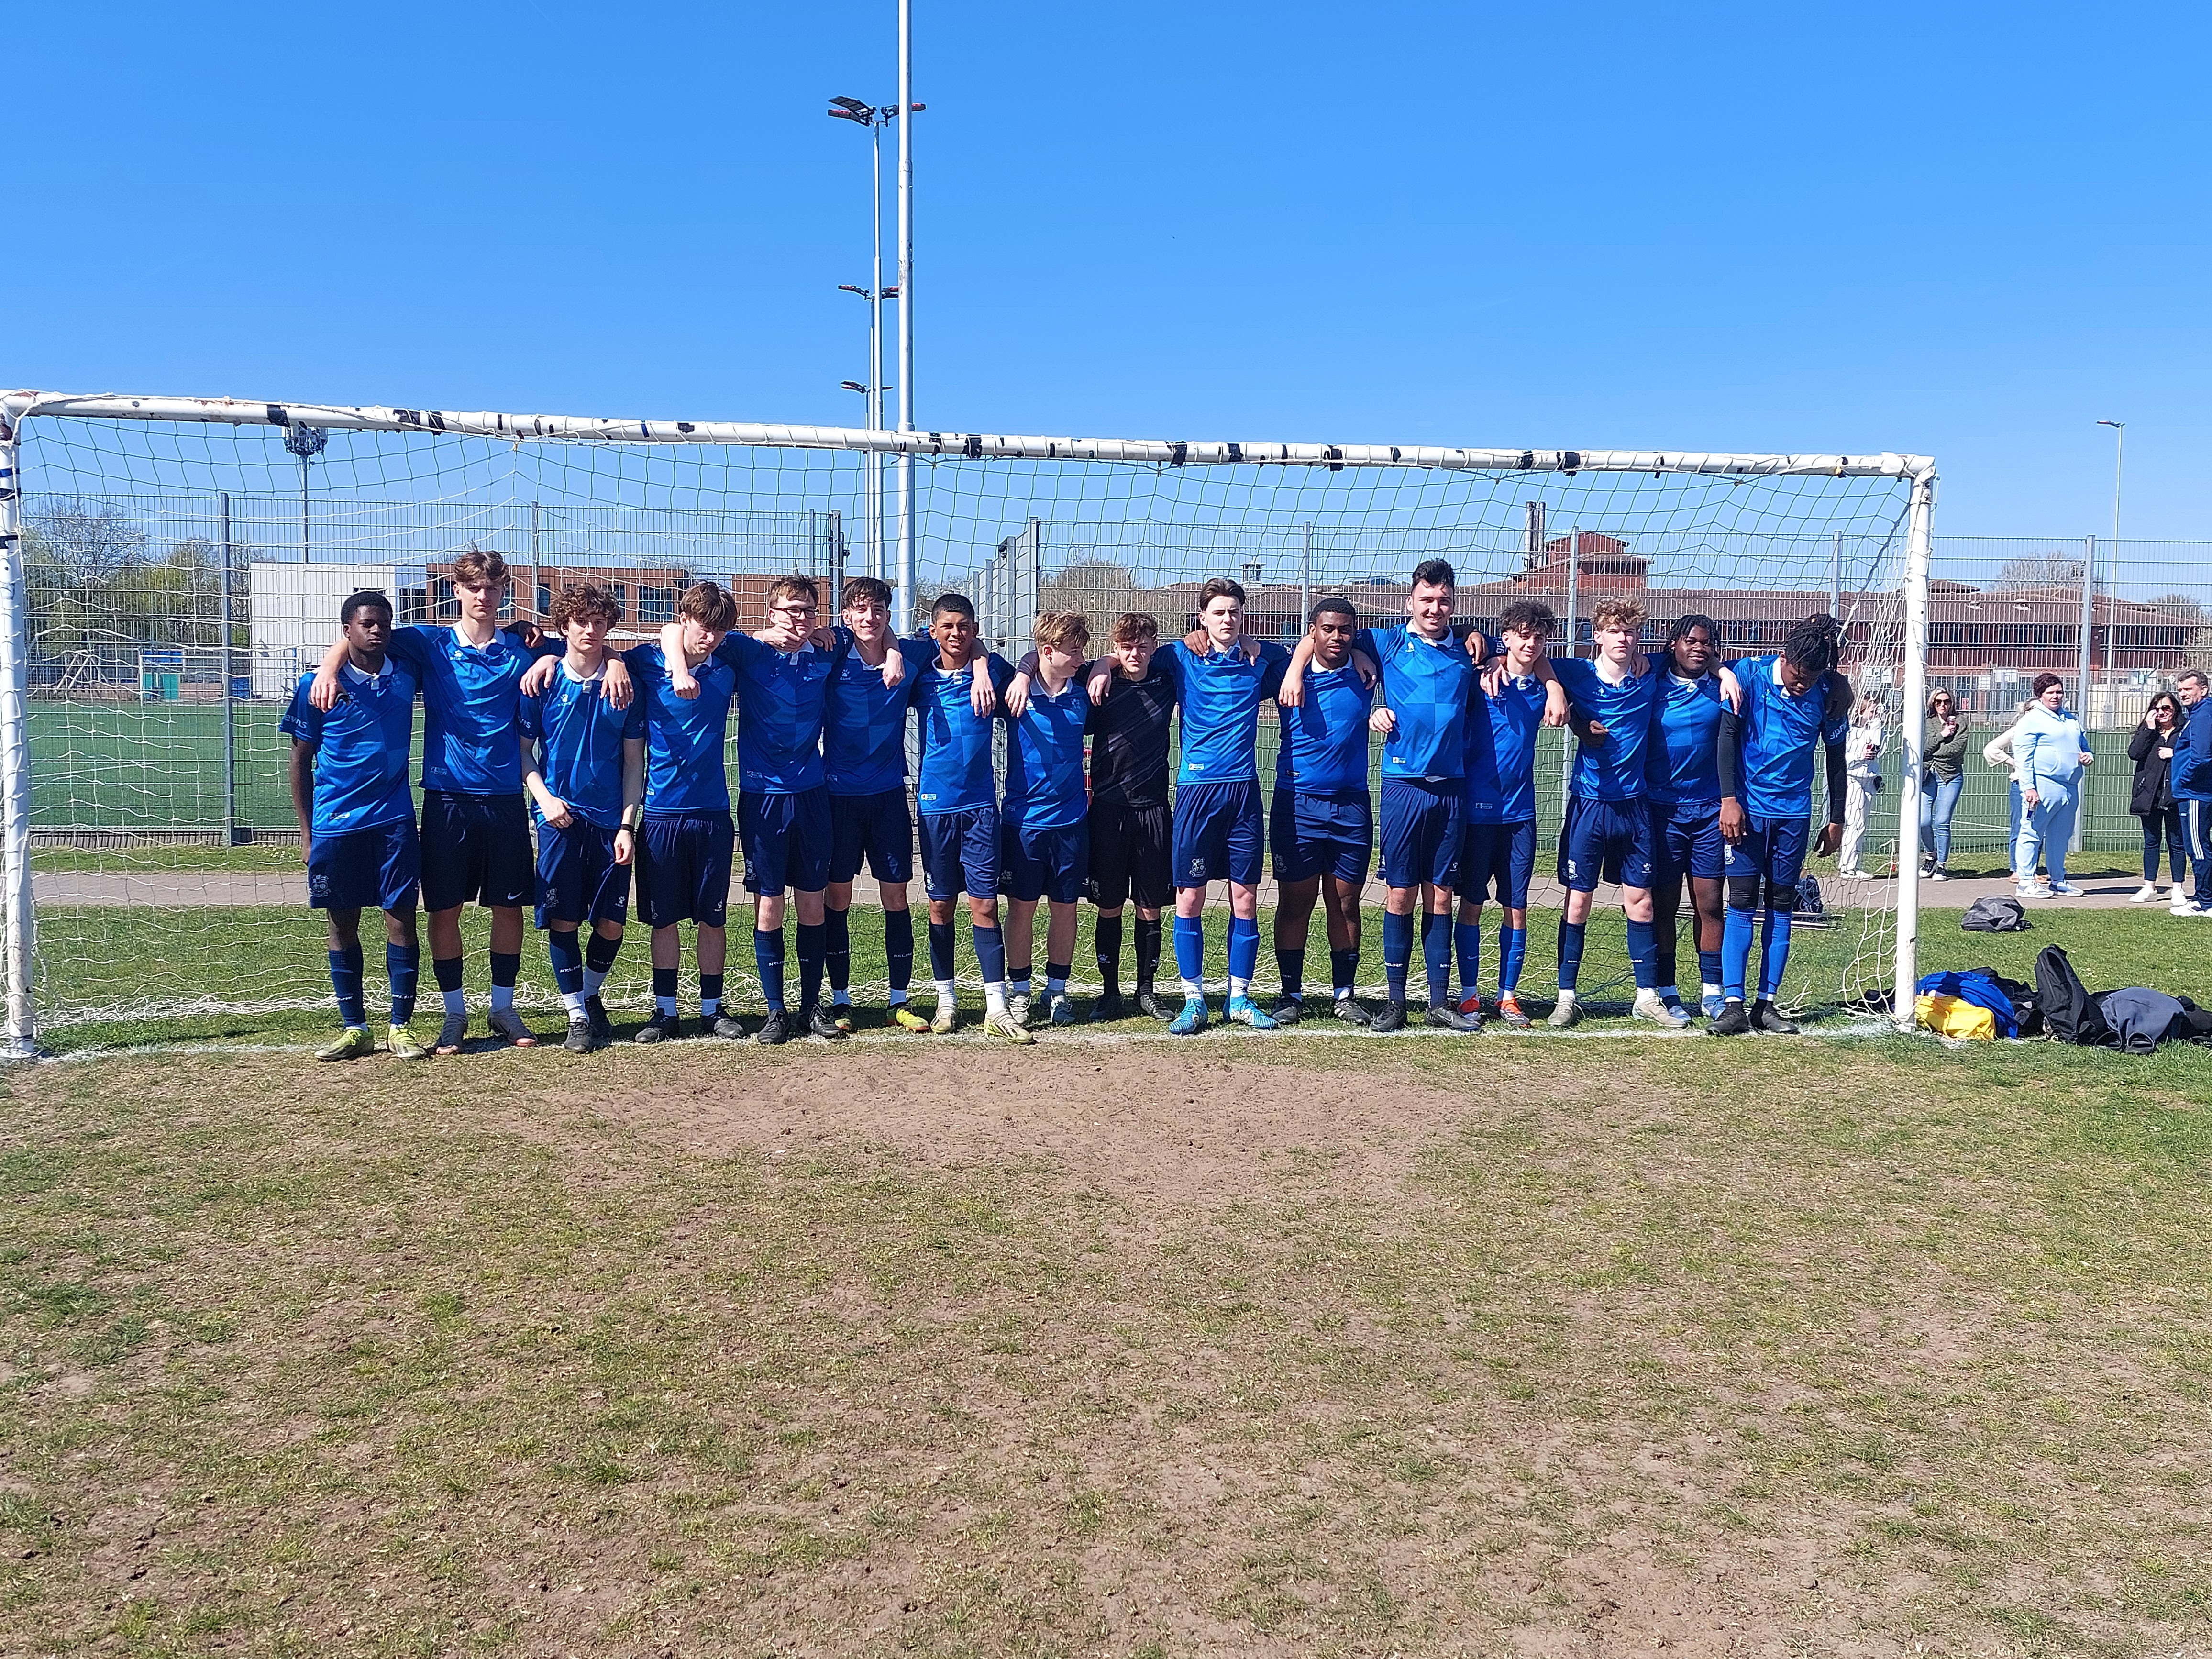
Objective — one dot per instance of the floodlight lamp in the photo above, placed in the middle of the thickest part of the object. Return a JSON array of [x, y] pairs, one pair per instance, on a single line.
[[853, 104], [852, 385]]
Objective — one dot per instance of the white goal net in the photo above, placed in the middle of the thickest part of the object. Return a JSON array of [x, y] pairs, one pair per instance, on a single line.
[[173, 565]]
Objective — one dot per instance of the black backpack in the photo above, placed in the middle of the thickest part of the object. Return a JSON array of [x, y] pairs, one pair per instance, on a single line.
[[2070, 1014], [1995, 916]]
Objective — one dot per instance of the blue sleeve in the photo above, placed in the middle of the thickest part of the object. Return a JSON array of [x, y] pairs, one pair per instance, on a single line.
[[303, 720], [1169, 661], [410, 644], [1364, 640], [529, 716], [634, 718], [1274, 662], [739, 649], [642, 660]]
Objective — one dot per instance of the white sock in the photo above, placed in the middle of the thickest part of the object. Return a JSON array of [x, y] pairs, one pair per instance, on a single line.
[[1342, 992], [574, 1002], [1708, 989], [594, 980], [663, 1004], [457, 1002], [1566, 995], [994, 996], [1236, 987], [945, 994], [1191, 987]]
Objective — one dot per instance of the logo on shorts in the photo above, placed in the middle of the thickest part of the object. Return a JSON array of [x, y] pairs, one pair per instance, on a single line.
[[1573, 869], [1198, 866]]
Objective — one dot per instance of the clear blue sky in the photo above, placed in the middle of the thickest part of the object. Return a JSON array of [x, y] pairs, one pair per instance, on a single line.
[[1963, 229]]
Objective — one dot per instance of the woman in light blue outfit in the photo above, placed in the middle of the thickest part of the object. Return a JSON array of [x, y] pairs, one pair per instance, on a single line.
[[2049, 753]]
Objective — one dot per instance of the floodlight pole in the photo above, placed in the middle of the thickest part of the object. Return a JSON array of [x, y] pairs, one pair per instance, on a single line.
[[904, 609], [18, 1040], [1918, 533], [229, 716]]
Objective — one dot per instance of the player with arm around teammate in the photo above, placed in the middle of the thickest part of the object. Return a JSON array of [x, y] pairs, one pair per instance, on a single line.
[[358, 836], [584, 767], [1684, 774], [1044, 832], [1765, 758], [956, 690], [1498, 845], [1606, 832], [1323, 833]]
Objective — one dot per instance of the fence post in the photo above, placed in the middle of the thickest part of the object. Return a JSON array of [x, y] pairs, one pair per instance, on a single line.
[[18, 1040], [1574, 649], [1836, 577], [2084, 664], [835, 599], [229, 715], [1919, 524], [1032, 573], [1305, 579]]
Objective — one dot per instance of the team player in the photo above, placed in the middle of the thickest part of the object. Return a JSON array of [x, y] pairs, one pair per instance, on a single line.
[[1129, 821], [1607, 835], [588, 765], [783, 801], [357, 820], [476, 829], [1322, 827], [1044, 834], [1498, 845], [1218, 827], [1766, 799], [863, 762], [1683, 771], [685, 836], [957, 792]]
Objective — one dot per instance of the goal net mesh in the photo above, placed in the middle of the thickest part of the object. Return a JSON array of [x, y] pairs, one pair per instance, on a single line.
[[181, 576]]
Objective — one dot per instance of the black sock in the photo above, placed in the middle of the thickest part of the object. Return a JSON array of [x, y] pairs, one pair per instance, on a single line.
[[1148, 952], [1107, 949]]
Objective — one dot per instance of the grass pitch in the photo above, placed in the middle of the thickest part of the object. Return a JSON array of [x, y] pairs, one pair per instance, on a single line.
[[1274, 1347]]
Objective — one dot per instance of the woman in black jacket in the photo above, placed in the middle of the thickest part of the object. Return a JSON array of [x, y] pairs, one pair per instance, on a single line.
[[2151, 749]]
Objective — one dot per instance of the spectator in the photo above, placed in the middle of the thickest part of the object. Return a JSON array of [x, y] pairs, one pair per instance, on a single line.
[[1862, 780], [1997, 751], [1942, 775], [2048, 756], [2190, 780], [2151, 749]]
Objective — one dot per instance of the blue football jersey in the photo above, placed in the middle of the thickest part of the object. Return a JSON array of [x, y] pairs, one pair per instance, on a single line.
[[1613, 768], [1426, 683], [1780, 735], [361, 748], [1501, 751], [1323, 747], [579, 736], [864, 726], [1683, 768], [470, 699], [956, 772], [1044, 759], [781, 696], [1219, 693], [683, 737]]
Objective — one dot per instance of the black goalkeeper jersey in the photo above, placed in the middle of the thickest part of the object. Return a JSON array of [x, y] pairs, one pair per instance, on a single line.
[[1129, 739]]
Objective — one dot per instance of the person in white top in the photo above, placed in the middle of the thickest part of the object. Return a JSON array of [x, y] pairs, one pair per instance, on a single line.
[[1998, 752], [1862, 776]]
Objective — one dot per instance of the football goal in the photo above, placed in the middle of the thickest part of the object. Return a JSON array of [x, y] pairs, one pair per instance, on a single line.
[[174, 564]]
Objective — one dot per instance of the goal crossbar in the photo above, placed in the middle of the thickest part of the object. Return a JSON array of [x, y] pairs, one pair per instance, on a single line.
[[969, 445]]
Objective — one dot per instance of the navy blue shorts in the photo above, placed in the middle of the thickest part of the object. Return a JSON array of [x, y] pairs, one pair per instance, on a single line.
[[578, 881], [1605, 841], [1420, 831], [1686, 840], [1044, 864], [683, 868], [1499, 858], [373, 869], [1220, 833], [960, 853], [1773, 849], [879, 828], [476, 848], [786, 840], [1129, 858], [1322, 834]]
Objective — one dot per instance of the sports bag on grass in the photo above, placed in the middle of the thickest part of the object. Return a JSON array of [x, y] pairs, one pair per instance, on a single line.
[[1994, 915], [1954, 1016], [1969, 987], [2070, 1014]]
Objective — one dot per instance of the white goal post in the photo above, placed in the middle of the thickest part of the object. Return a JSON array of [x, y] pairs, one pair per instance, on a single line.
[[90, 485]]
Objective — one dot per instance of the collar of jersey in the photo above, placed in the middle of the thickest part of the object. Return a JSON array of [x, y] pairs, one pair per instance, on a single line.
[[376, 679], [574, 678], [498, 636], [1598, 669]]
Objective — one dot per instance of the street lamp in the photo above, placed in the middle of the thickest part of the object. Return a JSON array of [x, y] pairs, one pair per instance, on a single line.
[[873, 119], [2119, 464]]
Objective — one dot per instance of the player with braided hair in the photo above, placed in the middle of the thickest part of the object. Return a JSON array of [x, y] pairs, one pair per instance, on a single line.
[[1765, 758]]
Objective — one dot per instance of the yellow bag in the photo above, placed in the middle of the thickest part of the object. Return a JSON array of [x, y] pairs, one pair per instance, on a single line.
[[1954, 1016]]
